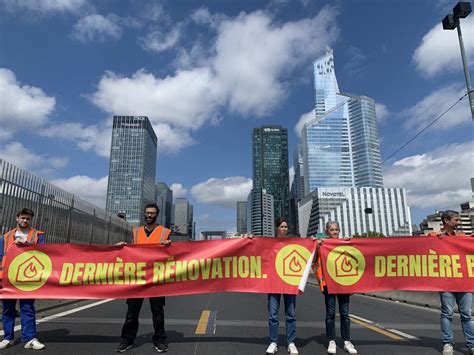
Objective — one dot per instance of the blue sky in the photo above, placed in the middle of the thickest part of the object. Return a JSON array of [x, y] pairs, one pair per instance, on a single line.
[[207, 72]]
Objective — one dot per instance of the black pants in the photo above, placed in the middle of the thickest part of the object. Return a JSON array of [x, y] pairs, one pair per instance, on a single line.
[[130, 327]]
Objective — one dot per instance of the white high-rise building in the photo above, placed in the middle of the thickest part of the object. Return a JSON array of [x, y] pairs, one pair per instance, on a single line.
[[260, 213]]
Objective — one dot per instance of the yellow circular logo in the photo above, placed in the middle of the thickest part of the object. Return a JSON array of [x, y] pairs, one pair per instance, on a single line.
[[30, 270], [345, 265], [290, 263]]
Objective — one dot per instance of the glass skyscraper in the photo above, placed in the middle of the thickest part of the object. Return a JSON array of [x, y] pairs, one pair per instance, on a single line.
[[241, 217], [132, 167], [164, 200], [270, 166], [340, 145]]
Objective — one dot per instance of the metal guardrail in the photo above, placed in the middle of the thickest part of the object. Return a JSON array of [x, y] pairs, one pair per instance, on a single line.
[[63, 217]]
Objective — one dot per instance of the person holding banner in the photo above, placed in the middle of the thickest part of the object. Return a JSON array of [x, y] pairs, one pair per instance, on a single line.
[[150, 233], [451, 220], [332, 231], [274, 308], [23, 234]]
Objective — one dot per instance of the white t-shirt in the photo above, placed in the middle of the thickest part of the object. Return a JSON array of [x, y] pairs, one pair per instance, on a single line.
[[20, 235]]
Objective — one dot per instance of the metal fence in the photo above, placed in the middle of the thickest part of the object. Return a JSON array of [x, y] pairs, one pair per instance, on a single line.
[[63, 217]]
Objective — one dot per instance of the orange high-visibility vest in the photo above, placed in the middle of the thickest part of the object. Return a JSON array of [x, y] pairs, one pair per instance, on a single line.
[[9, 238], [159, 235], [318, 270]]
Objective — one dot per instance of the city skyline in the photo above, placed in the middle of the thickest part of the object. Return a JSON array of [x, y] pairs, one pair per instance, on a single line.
[[207, 73]]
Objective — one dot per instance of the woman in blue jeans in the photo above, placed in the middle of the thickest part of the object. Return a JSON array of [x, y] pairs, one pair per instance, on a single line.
[[274, 308], [332, 231]]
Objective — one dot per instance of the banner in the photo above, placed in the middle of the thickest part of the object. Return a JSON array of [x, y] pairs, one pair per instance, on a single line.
[[398, 263], [261, 265]]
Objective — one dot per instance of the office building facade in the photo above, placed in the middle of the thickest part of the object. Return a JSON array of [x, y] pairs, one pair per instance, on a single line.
[[358, 211], [132, 167], [270, 166], [260, 213], [164, 200], [340, 145], [241, 217]]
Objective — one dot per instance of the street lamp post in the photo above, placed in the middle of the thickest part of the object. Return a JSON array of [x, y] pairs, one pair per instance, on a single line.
[[450, 22]]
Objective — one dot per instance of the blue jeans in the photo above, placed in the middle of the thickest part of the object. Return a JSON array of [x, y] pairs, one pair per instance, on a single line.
[[27, 316], [464, 301], [343, 300], [290, 315]]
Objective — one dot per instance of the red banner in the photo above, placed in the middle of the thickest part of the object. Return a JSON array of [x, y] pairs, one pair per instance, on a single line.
[[399, 263], [262, 265]]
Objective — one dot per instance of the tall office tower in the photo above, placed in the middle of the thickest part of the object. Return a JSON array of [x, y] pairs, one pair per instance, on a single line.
[[340, 145], [241, 217], [365, 142], [270, 166], [164, 200], [297, 187], [183, 217], [132, 167], [260, 213]]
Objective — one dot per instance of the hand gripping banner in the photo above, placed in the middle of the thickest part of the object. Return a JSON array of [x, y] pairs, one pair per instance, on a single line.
[[398, 263], [261, 265]]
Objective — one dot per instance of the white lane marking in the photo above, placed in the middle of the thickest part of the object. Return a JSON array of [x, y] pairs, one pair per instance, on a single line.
[[395, 331], [405, 335], [62, 314]]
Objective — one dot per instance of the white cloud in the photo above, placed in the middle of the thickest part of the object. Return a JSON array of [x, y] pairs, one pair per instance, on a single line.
[[305, 117], [255, 55], [186, 100], [94, 137], [17, 154], [21, 106], [439, 49], [247, 70], [178, 190], [381, 112], [90, 189], [158, 41], [436, 103], [438, 179], [96, 27], [45, 6], [222, 192]]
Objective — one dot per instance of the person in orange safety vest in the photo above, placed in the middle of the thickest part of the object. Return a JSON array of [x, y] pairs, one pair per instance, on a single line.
[[150, 233], [23, 234]]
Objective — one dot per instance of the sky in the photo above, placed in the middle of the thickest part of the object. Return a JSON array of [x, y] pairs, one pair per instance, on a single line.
[[207, 72]]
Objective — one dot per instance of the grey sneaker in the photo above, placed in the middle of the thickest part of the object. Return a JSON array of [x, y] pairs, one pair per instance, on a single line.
[[448, 349], [349, 347], [292, 349]]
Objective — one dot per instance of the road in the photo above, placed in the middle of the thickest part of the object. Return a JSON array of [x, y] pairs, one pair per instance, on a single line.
[[236, 323]]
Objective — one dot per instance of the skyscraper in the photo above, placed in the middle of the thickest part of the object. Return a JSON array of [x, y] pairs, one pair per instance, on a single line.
[[164, 200], [183, 217], [340, 145], [241, 217], [270, 166], [132, 167], [260, 213]]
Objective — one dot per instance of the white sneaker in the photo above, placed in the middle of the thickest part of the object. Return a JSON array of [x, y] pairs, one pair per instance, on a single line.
[[448, 349], [332, 347], [292, 349], [272, 348], [5, 343], [34, 344], [349, 347]]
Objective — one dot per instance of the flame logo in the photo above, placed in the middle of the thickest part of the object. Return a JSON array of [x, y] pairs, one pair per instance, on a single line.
[[30, 272], [295, 266], [346, 265]]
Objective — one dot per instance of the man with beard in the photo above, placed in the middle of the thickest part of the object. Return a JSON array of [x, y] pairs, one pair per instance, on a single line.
[[150, 233], [23, 234]]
